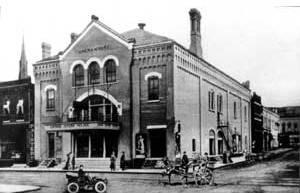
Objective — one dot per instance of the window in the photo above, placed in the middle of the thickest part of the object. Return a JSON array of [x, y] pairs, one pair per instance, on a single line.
[[211, 100], [289, 125], [94, 73], [78, 75], [245, 113], [153, 88], [234, 110], [212, 148], [50, 94], [295, 126], [283, 127], [219, 103], [110, 69]]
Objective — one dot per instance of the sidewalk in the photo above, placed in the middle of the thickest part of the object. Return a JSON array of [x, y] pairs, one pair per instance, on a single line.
[[237, 161], [13, 188]]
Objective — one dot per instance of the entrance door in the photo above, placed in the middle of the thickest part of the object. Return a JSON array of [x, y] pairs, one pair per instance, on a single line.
[[51, 145], [158, 142]]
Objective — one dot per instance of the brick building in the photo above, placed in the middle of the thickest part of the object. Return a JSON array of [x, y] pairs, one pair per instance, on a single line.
[[16, 123], [136, 92]]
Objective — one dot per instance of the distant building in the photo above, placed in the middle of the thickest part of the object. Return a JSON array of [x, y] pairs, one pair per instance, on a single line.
[[257, 124], [289, 134], [16, 124], [136, 92], [271, 125]]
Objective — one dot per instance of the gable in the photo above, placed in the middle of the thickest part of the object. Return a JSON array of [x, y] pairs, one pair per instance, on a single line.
[[96, 38]]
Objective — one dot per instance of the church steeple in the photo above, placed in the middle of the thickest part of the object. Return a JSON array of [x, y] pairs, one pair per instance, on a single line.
[[23, 63]]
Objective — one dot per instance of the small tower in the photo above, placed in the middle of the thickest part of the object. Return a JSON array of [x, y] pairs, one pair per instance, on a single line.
[[23, 63], [195, 46]]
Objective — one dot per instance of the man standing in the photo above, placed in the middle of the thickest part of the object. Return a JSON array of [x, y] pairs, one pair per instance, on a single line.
[[113, 161], [122, 161], [73, 161], [184, 162], [67, 162]]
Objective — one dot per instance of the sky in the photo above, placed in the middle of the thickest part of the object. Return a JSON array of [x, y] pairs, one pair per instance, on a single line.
[[247, 39]]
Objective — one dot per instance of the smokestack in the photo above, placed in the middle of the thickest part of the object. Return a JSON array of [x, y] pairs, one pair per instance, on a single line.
[[46, 50], [195, 46]]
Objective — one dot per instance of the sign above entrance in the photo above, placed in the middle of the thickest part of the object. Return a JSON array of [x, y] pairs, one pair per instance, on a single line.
[[95, 49], [81, 126]]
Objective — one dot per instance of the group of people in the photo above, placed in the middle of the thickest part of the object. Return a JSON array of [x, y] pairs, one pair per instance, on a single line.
[[113, 159], [70, 163]]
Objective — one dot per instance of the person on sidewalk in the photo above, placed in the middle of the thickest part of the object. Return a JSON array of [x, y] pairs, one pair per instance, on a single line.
[[122, 161], [113, 161], [67, 162], [73, 161]]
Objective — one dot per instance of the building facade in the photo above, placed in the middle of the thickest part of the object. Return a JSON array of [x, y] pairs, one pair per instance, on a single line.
[[271, 125], [289, 134], [257, 124], [136, 92], [16, 124]]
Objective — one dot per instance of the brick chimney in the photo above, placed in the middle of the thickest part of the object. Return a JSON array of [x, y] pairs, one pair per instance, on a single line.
[[246, 84], [46, 50], [195, 44], [141, 25]]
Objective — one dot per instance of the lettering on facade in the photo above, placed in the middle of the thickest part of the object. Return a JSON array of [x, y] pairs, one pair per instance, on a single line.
[[95, 49]]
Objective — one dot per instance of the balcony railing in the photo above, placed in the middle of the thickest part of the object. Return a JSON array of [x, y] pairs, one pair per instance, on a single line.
[[82, 123], [11, 118], [85, 118]]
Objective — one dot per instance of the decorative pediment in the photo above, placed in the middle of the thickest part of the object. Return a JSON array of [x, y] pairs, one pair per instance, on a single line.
[[96, 38]]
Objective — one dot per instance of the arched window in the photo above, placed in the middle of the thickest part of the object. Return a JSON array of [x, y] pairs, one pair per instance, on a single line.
[[94, 73], [50, 99], [212, 148], [153, 88], [78, 75], [110, 71], [220, 142]]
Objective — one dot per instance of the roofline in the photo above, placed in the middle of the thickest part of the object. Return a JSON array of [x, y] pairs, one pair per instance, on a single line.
[[45, 61], [212, 66], [270, 111], [154, 44], [15, 83]]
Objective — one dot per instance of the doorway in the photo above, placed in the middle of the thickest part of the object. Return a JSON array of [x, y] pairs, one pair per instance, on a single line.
[[51, 145], [158, 143]]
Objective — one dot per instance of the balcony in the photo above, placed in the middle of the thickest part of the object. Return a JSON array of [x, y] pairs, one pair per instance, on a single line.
[[13, 118], [84, 123], [220, 122]]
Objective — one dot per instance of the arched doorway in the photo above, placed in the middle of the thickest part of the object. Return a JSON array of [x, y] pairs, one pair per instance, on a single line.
[[212, 141], [220, 142], [96, 142]]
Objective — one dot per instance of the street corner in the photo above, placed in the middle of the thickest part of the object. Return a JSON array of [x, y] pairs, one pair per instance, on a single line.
[[14, 188]]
